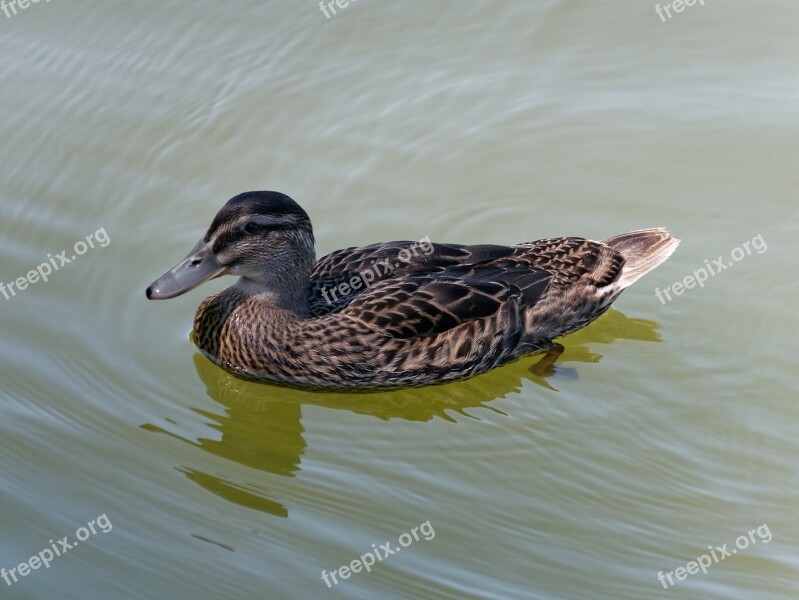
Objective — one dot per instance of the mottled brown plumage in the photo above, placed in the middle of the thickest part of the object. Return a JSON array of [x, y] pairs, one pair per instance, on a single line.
[[391, 314]]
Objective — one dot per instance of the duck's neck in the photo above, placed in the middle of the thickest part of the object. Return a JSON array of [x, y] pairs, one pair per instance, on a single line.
[[292, 298], [282, 282]]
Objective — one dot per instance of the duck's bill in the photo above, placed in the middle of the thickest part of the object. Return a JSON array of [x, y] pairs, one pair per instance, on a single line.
[[198, 267]]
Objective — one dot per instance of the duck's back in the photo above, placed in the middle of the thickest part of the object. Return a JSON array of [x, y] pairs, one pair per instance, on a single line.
[[343, 276]]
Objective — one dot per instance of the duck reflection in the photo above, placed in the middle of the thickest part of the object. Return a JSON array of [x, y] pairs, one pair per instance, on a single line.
[[261, 424]]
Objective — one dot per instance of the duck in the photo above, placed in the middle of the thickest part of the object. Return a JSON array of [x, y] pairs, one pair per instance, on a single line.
[[391, 314]]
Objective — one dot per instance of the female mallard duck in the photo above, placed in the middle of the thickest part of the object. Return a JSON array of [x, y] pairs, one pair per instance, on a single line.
[[390, 314]]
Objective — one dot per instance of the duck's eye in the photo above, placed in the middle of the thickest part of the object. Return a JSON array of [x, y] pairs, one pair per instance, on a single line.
[[252, 227]]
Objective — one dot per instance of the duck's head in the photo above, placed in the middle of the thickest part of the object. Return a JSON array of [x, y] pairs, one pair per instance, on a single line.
[[265, 238]]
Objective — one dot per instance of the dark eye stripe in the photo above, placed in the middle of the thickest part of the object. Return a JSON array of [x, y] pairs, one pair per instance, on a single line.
[[268, 226], [231, 237], [282, 227]]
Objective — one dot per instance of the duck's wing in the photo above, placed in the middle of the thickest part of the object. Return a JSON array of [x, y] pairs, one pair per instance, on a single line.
[[572, 260], [568, 260], [426, 305], [341, 276], [404, 256]]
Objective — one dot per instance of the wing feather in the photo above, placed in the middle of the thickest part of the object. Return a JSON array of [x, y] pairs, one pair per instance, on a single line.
[[416, 290]]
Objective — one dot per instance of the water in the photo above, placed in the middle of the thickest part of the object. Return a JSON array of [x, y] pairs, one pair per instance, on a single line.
[[668, 427]]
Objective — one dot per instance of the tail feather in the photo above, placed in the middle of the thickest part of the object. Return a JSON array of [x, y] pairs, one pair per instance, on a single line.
[[642, 251]]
